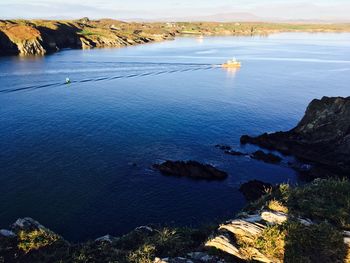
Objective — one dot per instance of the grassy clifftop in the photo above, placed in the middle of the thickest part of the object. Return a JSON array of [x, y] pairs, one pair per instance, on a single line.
[[38, 37]]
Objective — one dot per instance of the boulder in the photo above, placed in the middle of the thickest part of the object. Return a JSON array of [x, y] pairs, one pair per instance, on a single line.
[[190, 169], [27, 224], [254, 189], [322, 136]]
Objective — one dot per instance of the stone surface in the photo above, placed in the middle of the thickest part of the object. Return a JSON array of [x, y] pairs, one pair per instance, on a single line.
[[274, 217], [243, 228], [322, 136], [190, 169]]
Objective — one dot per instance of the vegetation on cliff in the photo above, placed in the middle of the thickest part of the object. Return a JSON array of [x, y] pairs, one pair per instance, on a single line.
[[308, 223]]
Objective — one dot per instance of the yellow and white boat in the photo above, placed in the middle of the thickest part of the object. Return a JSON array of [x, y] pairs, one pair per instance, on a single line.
[[232, 63]]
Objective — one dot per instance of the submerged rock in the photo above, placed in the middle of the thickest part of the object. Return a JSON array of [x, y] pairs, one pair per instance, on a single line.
[[266, 157], [254, 189], [223, 147], [190, 169], [322, 136], [235, 153], [7, 233], [27, 224]]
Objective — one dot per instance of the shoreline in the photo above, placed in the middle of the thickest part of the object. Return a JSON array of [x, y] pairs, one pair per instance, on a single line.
[[42, 37]]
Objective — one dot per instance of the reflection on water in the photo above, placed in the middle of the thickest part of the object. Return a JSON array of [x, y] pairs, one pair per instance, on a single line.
[[231, 72]]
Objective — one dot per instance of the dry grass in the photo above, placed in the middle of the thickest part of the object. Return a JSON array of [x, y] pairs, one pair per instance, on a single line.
[[22, 32], [277, 206]]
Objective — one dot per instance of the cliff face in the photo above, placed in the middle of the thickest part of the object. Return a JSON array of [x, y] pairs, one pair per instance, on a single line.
[[38, 37], [321, 137]]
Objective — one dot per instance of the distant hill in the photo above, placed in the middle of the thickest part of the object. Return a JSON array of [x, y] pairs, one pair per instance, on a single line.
[[225, 17], [222, 17], [238, 17]]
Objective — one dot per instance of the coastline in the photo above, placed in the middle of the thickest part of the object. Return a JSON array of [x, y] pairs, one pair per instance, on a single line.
[[41, 37]]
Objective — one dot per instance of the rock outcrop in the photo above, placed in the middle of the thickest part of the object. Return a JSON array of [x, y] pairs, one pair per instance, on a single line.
[[322, 137], [254, 189], [190, 169]]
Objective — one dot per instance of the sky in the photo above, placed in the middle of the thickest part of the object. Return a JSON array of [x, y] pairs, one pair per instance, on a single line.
[[175, 9]]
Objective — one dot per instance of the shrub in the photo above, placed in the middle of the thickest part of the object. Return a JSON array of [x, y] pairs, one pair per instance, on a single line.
[[35, 239]]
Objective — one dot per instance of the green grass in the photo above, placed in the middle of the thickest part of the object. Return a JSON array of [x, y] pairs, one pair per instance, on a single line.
[[321, 243], [326, 202], [323, 200]]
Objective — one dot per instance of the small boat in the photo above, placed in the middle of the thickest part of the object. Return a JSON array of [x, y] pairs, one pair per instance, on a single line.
[[232, 63], [68, 81]]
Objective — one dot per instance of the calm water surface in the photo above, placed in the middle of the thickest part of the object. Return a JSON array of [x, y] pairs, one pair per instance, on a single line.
[[66, 150]]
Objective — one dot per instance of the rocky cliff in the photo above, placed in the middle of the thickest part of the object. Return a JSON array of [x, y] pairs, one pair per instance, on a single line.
[[322, 137], [38, 37]]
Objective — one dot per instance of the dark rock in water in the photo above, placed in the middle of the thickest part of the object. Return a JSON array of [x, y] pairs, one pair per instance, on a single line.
[[254, 189], [266, 157], [7, 233], [27, 224], [191, 169], [223, 147], [322, 137], [235, 153]]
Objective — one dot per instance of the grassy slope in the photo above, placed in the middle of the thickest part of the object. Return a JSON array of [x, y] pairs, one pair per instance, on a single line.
[[326, 202]]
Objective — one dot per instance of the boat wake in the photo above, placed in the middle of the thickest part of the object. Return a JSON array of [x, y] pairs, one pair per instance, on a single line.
[[189, 67]]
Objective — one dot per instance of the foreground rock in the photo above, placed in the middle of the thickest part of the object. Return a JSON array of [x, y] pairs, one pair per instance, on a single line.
[[306, 223], [321, 137], [190, 169], [254, 189]]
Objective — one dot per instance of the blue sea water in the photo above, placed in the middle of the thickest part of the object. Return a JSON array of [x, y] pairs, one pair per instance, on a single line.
[[67, 151]]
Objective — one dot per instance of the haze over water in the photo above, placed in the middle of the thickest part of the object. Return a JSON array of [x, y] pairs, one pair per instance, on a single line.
[[67, 152]]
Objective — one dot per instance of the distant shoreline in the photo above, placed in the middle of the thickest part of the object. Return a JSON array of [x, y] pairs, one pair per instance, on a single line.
[[41, 37]]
